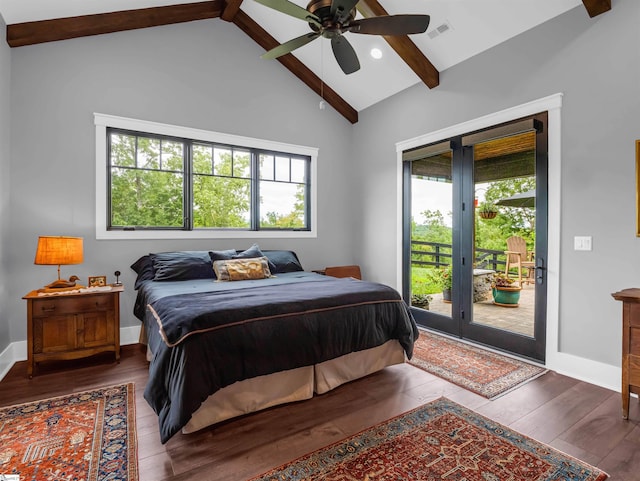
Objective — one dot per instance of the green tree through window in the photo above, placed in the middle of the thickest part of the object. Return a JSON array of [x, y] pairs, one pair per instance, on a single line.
[[160, 182]]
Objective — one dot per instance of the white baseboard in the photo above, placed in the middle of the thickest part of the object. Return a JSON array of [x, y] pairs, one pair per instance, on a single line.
[[17, 351], [129, 335], [593, 372]]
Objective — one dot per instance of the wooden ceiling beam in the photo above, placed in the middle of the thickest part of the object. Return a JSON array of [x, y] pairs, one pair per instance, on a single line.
[[231, 8], [295, 66], [596, 7], [30, 33], [404, 47]]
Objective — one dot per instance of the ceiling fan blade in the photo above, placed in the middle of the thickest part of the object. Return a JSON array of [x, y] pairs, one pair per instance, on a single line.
[[390, 25], [285, 6], [340, 9], [345, 54], [290, 46]]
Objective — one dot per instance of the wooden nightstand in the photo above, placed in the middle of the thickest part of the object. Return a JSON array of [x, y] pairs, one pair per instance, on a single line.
[[72, 326]]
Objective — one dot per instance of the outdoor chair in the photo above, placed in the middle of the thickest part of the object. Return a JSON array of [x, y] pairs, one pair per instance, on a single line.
[[519, 258]]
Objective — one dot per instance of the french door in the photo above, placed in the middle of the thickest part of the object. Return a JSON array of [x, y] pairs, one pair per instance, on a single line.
[[463, 198]]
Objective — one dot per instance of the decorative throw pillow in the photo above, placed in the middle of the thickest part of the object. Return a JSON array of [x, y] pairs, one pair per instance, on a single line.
[[242, 269]]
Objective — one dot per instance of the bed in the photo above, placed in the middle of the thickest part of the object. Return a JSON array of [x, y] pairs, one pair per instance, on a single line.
[[233, 332]]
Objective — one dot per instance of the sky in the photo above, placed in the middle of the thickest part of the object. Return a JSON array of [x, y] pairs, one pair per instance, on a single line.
[[432, 195]]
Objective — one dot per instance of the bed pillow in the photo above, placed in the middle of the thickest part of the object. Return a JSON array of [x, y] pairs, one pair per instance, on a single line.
[[242, 269], [252, 253], [182, 265], [222, 255], [283, 261], [144, 268]]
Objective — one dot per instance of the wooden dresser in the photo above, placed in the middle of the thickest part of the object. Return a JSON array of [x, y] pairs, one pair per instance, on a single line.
[[630, 344], [71, 326]]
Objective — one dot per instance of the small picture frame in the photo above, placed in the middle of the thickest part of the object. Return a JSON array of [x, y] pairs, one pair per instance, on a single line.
[[97, 281]]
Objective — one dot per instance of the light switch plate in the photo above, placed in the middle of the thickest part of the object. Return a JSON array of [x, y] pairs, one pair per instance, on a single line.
[[582, 243]]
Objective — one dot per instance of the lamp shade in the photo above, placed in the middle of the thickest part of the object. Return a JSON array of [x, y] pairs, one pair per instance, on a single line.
[[59, 250]]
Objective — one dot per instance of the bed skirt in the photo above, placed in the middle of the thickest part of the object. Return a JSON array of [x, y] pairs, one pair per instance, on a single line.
[[262, 392]]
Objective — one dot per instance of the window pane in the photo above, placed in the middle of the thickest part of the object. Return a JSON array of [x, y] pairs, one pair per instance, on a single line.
[[241, 164], [298, 170], [266, 167], [146, 198], [123, 150], [432, 230], [172, 156], [202, 159], [282, 205], [148, 153], [222, 161], [282, 169], [221, 202], [148, 185]]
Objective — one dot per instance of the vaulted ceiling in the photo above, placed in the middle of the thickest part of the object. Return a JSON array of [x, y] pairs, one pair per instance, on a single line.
[[457, 31]]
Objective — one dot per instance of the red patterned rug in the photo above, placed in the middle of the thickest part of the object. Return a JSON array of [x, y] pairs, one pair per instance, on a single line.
[[438, 441], [86, 436], [478, 370]]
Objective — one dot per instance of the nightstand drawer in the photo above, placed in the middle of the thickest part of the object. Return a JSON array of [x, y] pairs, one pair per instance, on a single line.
[[71, 305]]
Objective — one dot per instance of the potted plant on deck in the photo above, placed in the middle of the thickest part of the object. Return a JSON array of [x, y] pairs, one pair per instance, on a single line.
[[421, 300], [505, 292], [487, 210], [442, 277]]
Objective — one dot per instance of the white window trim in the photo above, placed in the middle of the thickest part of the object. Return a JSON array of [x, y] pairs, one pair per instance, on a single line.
[[103, 121]]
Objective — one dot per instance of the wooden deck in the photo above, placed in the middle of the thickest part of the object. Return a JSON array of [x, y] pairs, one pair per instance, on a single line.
[[516, 319]]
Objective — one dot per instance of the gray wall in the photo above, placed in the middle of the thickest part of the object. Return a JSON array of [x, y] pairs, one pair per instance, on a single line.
[[206, 75], [5, 130], [596, 64], [188, 75]]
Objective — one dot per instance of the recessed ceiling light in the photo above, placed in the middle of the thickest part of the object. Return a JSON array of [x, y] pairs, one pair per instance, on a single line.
[[376, 53]]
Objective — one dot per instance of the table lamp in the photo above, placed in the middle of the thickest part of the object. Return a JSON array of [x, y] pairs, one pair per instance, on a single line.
[[59, 251]]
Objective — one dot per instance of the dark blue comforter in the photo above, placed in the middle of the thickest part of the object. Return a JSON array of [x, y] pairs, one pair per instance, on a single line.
[[206, 335]]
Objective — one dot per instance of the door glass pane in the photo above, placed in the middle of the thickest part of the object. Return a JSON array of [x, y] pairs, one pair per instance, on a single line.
[[431, 231], [504, 174]]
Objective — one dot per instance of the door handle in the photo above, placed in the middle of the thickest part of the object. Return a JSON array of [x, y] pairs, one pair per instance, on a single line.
[[540, 268]]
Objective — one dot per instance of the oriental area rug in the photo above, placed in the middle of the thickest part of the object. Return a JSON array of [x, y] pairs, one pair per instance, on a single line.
[[478, 370], [438, 441], [87, 436]]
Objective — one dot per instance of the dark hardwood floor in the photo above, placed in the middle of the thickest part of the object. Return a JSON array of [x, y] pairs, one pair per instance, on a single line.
[[580, 419]]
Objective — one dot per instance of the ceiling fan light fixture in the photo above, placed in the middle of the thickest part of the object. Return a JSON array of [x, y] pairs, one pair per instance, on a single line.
[[376, 53], [331, 19]]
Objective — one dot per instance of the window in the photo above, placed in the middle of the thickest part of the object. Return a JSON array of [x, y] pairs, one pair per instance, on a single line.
[[161, 181]]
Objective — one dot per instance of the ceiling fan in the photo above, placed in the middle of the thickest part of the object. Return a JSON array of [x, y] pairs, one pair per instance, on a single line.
[[332, 18]]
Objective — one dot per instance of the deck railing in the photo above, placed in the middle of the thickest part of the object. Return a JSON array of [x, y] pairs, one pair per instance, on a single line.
[[435, 254]]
